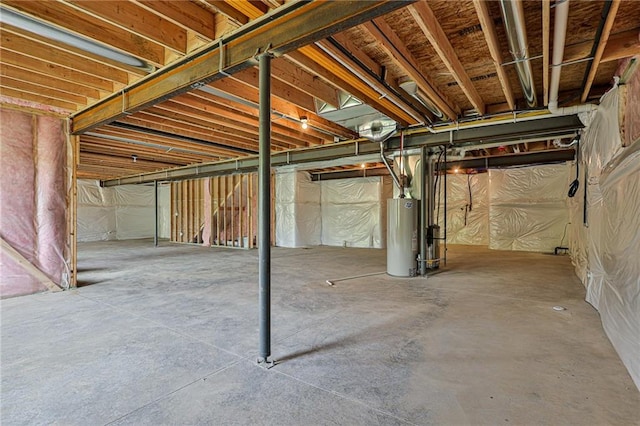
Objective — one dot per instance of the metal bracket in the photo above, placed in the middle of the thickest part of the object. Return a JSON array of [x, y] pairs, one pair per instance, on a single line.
[[265, 363], [221, 64]]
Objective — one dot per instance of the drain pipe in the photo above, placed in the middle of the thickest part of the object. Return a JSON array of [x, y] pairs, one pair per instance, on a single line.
[[514, 24], [559, 36]]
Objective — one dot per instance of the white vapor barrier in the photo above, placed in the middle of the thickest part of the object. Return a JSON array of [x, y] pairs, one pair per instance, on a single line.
[[528, 209], [467, 209], [122, 212], [605, 243], [297, 208], [341, 212], [352, 212]]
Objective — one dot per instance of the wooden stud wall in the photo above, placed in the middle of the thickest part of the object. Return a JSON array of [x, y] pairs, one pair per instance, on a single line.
[[228, 220], [187, 211]]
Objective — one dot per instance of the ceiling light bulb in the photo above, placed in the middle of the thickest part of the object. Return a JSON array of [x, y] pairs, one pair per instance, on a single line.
[[456, 170], [303, 121], [363, 165]]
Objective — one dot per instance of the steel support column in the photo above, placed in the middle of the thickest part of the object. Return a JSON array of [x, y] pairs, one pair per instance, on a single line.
[[155, 216], [264, 208], [423, 211]]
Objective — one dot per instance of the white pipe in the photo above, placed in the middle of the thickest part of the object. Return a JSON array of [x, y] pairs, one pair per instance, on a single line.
[[559, 36]]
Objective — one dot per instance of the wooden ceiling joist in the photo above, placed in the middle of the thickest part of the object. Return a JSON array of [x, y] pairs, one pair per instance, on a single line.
[[239, 111], [304, 81], [619, 46], [429, 25], [186, 14], [491, 36], [57, 71], [280, 107], [399, 53], [546, 28], [283, 33], [136, 20], [88, 26], [313, 59], [243, 121], [38, 79], [611, 16], [50, 54], [227, 10]]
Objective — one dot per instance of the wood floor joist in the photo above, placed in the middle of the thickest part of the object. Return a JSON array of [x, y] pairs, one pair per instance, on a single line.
[[293, 25]]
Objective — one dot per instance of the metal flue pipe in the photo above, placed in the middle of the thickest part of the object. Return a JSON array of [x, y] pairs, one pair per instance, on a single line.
[[514, 24]]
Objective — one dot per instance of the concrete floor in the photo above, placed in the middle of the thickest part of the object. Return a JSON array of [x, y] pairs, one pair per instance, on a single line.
[[168, 335]]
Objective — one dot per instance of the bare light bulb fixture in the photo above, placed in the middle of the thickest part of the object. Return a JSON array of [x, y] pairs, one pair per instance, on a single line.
[[134, 158], [304, 122]]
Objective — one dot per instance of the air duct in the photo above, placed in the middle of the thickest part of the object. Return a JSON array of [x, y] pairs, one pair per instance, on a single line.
[[514, 24], [559, 36], [414, 91], [380, 131]]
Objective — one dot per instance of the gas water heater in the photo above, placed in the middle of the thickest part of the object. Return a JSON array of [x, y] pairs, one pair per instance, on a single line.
[[402, 236]]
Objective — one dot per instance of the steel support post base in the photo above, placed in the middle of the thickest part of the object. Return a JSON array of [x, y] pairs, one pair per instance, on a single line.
[[266, 363]]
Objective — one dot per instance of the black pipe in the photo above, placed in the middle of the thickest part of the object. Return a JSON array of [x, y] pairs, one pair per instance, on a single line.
[[596, 41], [264, 208]]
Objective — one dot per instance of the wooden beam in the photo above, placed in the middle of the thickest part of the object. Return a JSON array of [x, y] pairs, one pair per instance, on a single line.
[[296, 25], [546, 28], [285, 71], [377, 95], [227, 10], [45, 68], [42, 100], [279, 124], [186, 14], [611, 17], [619, 46], [136, 20], [30, 77], [491, 37], [429, 25], [249, 8], [44, 91], [51, 54], [398, 52], [316, 60], [279, 106], [28, 266], [279, 89], [81, 23]]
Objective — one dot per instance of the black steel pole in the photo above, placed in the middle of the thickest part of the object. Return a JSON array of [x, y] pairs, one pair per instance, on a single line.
[[423, 211], [264, 207], [155, 217]]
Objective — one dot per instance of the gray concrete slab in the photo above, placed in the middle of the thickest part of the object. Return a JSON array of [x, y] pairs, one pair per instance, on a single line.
[[169, 335]]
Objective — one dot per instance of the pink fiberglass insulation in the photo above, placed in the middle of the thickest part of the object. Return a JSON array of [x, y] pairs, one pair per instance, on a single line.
[[51, 197], [32, 199], [17, 198]]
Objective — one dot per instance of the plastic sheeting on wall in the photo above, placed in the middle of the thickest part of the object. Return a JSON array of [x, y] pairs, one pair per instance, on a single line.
[[605, 250], [346, 212], [528, 208], [122, 212], [467, 209], [352, 212], [297, 208]]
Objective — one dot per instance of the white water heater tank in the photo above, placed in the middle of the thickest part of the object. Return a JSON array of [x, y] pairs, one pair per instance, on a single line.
[[402, 236]]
